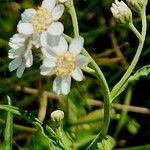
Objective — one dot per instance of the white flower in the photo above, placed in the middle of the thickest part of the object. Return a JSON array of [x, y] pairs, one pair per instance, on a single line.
[[44, 19], [21, 53], [65, 62], [121, 12]]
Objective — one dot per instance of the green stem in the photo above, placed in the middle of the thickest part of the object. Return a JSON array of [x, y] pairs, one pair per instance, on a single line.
[[124, 113], [100, 76], [141, 38], [106, 95], [73, 15]]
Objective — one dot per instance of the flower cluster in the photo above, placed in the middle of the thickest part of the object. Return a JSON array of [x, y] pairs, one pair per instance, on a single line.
[[122, 13], [41, 29]]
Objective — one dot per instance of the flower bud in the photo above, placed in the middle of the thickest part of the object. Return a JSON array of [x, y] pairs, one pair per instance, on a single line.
[[137, 5], [121, 12], [57, 115]]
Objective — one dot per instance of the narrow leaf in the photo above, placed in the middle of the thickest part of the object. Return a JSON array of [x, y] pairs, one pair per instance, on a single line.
[[144, 71], [8, 132]]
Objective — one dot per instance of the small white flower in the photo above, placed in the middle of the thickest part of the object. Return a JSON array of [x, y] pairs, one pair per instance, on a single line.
[[65, 62], [44, 19], [21, 53], [121, 12]]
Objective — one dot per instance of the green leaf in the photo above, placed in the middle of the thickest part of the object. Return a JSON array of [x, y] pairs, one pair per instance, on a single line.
[[8, 132], [43, 143], [144, 71]]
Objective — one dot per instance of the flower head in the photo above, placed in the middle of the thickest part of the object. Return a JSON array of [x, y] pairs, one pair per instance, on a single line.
[[121, 12], [65, 62], [57, 115], [44, 19], [21, 53], [137, 5]]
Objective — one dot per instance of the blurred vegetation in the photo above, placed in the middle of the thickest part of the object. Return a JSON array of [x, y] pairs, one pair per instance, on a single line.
[[113, 47]]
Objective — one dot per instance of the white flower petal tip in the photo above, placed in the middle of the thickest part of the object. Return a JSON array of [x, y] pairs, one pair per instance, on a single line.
[[76, 46], [77, 74], [61, 47], [20, 70], [65, 85], [62, 85], [14, 64], [57, 12], [28, 15], [46, 71], [25, 28], [56, 28], [82, 61], [49, 4]]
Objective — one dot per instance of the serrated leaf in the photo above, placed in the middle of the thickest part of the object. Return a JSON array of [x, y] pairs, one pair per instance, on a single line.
[[144, 71]]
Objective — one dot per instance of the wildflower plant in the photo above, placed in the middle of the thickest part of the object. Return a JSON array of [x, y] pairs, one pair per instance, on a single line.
[[64, 57]]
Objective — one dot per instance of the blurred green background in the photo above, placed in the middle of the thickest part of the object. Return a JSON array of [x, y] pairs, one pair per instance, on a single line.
[[111, 45]]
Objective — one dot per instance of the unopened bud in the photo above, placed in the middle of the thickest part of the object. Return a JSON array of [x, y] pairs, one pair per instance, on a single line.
[[137, 5], [121, 12], [57, 115]]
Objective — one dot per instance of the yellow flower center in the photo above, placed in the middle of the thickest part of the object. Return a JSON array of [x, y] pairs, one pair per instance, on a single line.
[[65, 64], [42, 19]]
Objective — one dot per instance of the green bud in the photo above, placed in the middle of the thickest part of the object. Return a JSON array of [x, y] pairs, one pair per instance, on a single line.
[[57, 115], [137, 5]]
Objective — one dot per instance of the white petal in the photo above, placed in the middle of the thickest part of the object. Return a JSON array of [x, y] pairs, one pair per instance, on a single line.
[[49, 40], [49, 4], [49, 63], [82, 61], [28, 15], [28, 56], [49, 54], [20, 70], [43, 39], [77, 74], [76, 46], [36, 39], [17, 38], [65, 85], [56, 28], [61, 48], [46, 70], [12, 53], [25, 28], [28, 59], [15, 64], [52, 40], [57, 85], [58, 11]]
